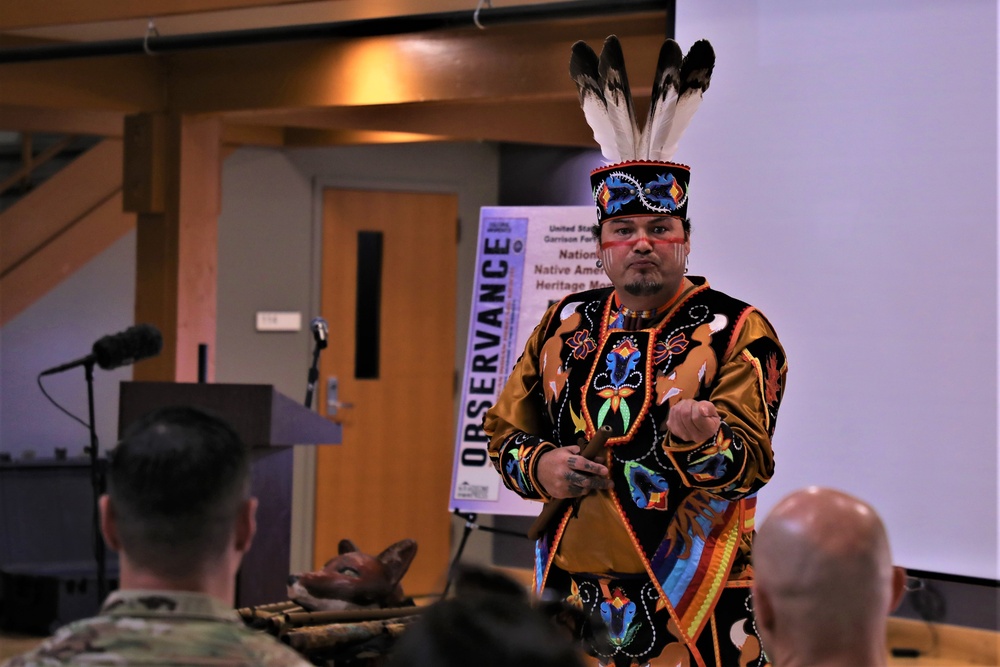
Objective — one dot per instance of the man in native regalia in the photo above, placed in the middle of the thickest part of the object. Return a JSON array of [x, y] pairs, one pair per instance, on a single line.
[[684, 380]]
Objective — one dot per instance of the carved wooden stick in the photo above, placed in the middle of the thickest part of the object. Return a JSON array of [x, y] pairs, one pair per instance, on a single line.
[[300, 618], [265, 610], [555, 508], [319, 637]]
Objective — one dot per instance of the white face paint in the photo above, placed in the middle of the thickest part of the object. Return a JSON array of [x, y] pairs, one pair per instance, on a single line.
[[644, 256], [679, 255], [607, 260]]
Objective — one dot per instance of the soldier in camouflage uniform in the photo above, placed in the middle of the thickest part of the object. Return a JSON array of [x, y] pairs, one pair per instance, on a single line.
[[179, 513]]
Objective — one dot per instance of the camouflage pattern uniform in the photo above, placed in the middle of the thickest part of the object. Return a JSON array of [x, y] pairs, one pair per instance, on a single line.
[[161, 628]]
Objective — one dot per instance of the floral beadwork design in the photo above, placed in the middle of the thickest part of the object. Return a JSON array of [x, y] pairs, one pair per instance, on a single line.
[[664, 350], [649, 488], [581, 344], [618, 612], [623, 381]]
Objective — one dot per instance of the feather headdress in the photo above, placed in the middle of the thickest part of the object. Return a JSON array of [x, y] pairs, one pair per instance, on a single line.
[[642, 179]]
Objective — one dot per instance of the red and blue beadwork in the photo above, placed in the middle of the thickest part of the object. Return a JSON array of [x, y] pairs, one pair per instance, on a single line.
[[640, 188]]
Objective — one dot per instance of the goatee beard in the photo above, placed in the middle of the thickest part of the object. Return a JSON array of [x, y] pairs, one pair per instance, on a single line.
[[643, 288]]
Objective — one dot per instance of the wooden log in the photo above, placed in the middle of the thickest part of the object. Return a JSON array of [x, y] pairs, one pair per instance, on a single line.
[[266, 610], [300, 618], [311, 639]]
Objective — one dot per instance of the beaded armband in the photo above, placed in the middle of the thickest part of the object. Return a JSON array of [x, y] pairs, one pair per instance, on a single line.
[[518, 459]]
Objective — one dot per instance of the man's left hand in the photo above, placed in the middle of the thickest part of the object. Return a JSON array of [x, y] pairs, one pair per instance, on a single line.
[[693, 421]]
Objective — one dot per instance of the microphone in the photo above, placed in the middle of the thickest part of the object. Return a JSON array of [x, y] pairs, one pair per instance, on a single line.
[[321, 332], [120, 349]]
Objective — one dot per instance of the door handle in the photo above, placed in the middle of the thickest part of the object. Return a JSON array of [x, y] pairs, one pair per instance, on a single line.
[[333, 403]]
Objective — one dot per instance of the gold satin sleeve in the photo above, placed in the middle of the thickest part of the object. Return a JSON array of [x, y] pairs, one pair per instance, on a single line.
[[520, 410], [740, 395], [516, 409]]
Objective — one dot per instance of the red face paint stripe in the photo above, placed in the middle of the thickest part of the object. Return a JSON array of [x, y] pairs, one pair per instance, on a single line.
[[612, 244]]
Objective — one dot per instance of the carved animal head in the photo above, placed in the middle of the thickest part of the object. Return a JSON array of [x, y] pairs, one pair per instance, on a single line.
[[355, 579]]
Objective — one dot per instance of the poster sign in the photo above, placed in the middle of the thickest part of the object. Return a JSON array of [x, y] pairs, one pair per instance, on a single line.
[[527, 258]]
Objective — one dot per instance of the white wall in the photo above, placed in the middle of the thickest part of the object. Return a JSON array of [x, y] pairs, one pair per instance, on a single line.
[[844, 181], [265, 254], [62, 326]]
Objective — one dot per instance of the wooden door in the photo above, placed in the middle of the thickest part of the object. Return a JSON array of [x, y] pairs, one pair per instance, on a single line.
[[390, 477]]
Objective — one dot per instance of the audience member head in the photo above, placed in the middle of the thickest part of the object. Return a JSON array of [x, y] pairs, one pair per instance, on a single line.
[[489, 623], [824, 581], [178, 507]]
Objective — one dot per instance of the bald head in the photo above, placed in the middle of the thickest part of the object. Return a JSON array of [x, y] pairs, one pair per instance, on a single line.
[[824, 573]]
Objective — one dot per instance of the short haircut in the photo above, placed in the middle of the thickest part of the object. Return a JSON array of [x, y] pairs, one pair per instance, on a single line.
[[176, 483]]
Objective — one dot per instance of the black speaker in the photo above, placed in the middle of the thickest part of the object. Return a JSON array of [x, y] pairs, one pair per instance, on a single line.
[[38, 598]]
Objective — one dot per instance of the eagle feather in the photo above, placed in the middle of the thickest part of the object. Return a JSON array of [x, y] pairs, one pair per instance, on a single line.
[[583, 69], [606, 98], [695, 74], [618, 97]]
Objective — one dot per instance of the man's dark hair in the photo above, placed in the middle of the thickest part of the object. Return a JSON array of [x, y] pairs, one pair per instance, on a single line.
[[489, 623], [176, 482], [595, 230]]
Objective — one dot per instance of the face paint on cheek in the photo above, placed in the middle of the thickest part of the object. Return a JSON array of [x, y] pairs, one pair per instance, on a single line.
[[607, 256], [631, 243], [679, 243], [679, 255], [606, 259], [608, 246], [675, 254]]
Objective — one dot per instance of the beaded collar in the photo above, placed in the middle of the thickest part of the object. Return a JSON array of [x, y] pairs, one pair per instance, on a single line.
[[634, 320]]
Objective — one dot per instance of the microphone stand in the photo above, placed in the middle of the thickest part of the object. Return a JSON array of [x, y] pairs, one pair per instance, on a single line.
[[470, 525], [313, 375], [97, 484]]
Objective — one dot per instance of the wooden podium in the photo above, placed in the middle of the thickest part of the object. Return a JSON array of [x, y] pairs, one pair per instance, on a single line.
[[269, 423]]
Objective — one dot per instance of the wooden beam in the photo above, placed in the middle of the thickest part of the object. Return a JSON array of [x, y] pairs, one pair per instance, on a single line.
[[106, 17], [156, 278], [248, 131], [27, 153], [61, 121], [199, 203], [504, 66], [109, 83], [35, 161], [9, 41], [177, 249], [58, 203], [247, 134], [547, 122], [62, 256], [299, 137], [20, 14], [499, 64], [145, 182]]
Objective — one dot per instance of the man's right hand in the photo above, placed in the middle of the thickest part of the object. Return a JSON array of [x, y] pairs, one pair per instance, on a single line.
[[564, 473]]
